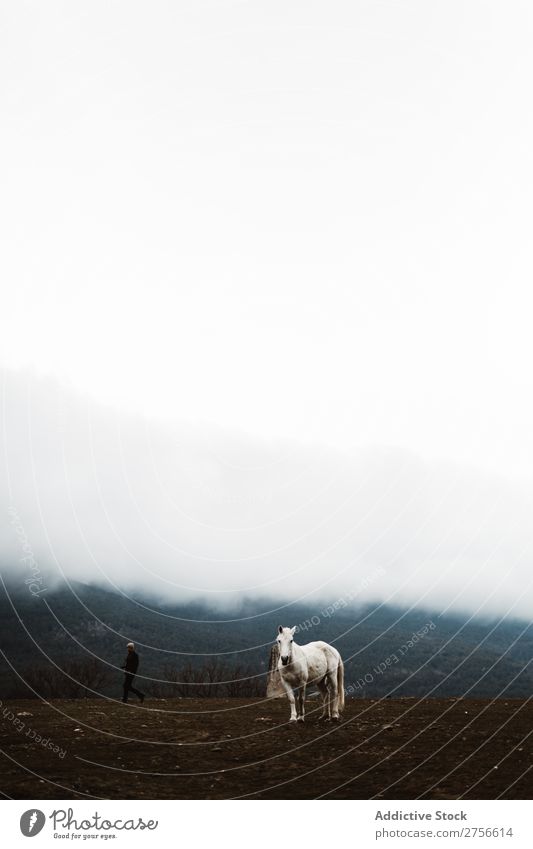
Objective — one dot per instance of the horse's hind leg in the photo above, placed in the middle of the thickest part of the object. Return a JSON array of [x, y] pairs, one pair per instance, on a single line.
[[334, 694], [323, 688]]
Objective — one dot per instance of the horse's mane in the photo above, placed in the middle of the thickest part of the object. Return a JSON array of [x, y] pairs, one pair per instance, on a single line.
[[274, 686], [274, 657]]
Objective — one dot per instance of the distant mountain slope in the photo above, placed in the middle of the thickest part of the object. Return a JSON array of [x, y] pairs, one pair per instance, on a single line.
[[386, 650]]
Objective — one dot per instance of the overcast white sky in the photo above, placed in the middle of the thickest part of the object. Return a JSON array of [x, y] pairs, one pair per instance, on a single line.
[[305, 219], [297, 220]]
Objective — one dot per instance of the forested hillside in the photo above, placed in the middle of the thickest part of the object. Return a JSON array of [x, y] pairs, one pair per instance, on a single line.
[[70, 642]]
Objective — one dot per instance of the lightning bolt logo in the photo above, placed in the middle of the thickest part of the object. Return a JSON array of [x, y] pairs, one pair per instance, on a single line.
[[32, 822]]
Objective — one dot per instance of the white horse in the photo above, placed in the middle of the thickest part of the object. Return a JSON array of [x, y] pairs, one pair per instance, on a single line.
[[315, 663]]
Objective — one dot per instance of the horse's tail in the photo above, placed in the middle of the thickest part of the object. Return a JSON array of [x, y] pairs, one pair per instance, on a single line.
[[340, 683]]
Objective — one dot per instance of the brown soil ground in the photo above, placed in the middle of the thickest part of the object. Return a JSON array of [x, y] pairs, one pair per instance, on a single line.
[[227, 748]]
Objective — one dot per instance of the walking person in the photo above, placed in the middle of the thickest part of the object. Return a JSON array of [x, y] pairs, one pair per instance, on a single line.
[[130, 666]]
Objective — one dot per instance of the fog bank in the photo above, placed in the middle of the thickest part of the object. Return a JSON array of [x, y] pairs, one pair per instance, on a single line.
[[195, 512]]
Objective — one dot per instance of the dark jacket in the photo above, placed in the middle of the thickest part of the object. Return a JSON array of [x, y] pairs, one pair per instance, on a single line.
[[132, 662]]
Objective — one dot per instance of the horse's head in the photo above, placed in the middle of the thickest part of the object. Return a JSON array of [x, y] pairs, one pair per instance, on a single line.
[[285, 641]]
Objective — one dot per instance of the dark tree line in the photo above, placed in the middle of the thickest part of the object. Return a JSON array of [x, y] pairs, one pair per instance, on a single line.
[[212, 679], [89, 677]]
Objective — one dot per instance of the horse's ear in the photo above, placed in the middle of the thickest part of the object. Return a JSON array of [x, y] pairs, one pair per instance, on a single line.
[[293, 630], [280, 629]]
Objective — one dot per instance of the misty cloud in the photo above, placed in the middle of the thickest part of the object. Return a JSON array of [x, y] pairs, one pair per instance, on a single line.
[[180, 512]]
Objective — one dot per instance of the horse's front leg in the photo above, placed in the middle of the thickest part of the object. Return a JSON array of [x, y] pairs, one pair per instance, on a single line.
[[301, 703], [292, 701]]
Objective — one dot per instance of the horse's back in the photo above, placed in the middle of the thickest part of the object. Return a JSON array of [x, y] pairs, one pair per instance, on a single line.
[[321, 657], [326, 647]]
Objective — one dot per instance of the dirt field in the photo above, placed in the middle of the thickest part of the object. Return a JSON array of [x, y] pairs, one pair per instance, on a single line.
[[226, 748]]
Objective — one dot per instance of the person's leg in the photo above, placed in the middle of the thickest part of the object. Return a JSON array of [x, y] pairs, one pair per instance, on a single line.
[[128, 678], [137, 692]]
